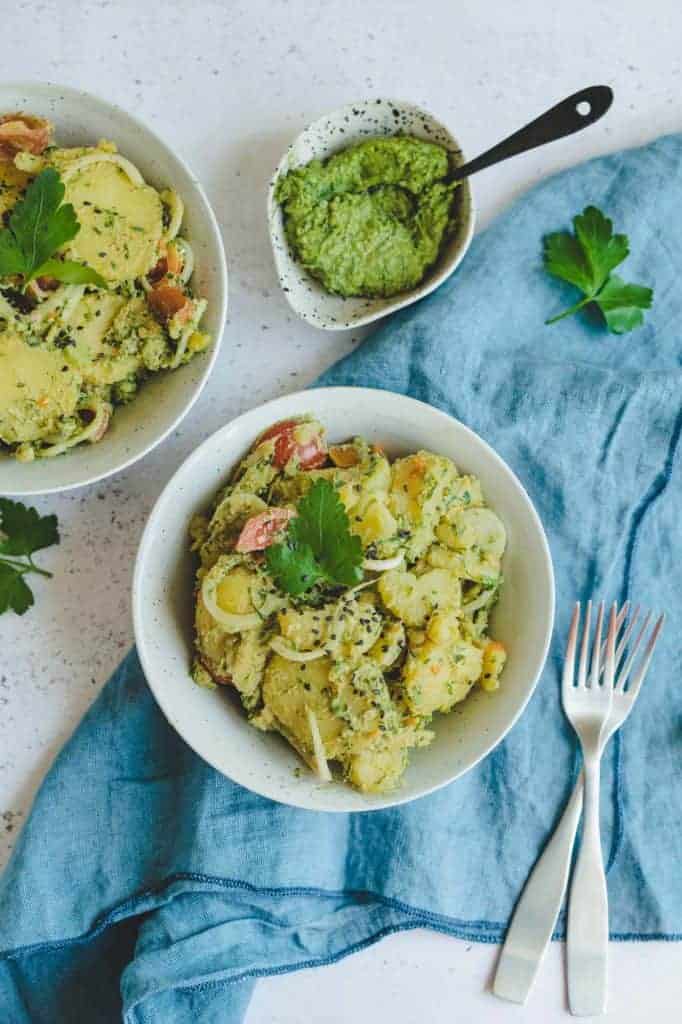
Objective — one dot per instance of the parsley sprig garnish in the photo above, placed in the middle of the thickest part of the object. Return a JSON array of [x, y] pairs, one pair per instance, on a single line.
[[586, 259], [318, 545], [22, 532], [40, 224]]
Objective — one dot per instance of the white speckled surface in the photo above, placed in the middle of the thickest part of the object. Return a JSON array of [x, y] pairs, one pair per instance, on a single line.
[[231, 84]]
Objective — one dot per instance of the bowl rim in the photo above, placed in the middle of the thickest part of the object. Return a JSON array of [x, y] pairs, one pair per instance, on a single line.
[[431, 282], [279, 406], [76, 93]]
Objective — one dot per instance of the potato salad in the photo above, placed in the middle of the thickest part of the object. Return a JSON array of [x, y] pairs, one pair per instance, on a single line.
[[95, 288], [346, 597]]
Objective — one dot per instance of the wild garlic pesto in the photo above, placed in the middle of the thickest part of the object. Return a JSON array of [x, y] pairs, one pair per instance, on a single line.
[[71, 352], [370, 220], [349, 675]]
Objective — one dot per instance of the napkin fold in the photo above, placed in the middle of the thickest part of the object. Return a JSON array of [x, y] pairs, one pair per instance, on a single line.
[[148, 888]]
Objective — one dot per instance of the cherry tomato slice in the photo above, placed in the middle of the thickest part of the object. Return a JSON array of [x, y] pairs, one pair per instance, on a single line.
[[22, 132], [310, 454], [260, 531], [344, 455], [166, 301]]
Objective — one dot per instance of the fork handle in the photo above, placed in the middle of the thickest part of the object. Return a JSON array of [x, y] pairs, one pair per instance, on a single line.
[[536, 913], [587, 936]]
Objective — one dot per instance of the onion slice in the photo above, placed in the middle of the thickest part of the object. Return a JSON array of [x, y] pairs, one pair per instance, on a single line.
[[285, 650], [383, 564], [102, 157], [93, 432], [479, 602], [176, 209], [319, 755], [226, 620], [187, 259]]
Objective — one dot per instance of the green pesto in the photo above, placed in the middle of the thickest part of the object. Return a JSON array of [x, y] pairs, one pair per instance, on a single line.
[[370, 220]]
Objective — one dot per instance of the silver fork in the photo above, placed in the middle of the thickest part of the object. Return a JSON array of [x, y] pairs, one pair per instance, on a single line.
[[535, 916], [587, 704]]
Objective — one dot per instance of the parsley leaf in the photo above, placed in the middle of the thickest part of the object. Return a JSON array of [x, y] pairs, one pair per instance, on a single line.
[[40, 224], [603, 250], [622, 304], [586, 259], [322, 524], [293, 566], [11, 256], [70, 272], [565, 258], [14, 591], [22, 531], [318, 545]]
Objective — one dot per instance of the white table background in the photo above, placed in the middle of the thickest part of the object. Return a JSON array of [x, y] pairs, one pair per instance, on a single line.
[[229, 85]]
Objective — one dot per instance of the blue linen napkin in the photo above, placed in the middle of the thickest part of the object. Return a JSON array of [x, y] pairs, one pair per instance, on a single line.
[[146, 887]]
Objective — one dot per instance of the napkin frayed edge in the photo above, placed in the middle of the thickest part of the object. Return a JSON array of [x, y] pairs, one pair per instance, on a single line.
[[483, 931]]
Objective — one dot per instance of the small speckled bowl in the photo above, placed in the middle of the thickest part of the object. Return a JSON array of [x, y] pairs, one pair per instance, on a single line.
[[329, 134], [81, 119]]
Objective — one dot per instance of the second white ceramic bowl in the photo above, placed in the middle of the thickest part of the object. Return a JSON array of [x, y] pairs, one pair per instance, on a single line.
[[345, 127], [213, 723], [82, 119]]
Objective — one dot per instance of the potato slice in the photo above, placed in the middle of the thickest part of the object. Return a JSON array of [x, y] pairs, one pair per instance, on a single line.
[[121, 222], [478, 536], [494, 660], [436, 677], [37, 388], [289, 689], [412, 598]]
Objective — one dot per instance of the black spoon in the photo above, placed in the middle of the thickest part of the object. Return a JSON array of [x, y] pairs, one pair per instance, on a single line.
[[571, 115]]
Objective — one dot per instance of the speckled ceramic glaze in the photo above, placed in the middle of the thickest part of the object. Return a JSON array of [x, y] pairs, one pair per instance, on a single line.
[[212, 721], [326, 136], [82, 119]]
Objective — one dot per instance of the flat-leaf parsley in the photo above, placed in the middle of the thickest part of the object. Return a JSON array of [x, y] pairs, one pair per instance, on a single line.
[[586, 259], [39, 225], [318, 545], [22, 532]]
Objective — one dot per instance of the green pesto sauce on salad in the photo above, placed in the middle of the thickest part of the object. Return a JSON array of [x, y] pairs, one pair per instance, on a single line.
[[370, 220]]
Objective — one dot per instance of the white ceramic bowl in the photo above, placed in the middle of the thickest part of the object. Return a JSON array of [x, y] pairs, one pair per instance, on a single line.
[[213, 723], [342, 128], [161, 403]]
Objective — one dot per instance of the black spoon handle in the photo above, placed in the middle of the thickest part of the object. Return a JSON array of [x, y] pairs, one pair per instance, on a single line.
[[563, 119]]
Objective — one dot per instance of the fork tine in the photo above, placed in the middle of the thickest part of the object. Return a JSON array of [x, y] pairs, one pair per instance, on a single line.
[[569, 660], [622, 643], [594, 674], [627, 667], [633, 688], [627, 633], [620, 619], [582, 668], [622, 615], [610, 662]]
